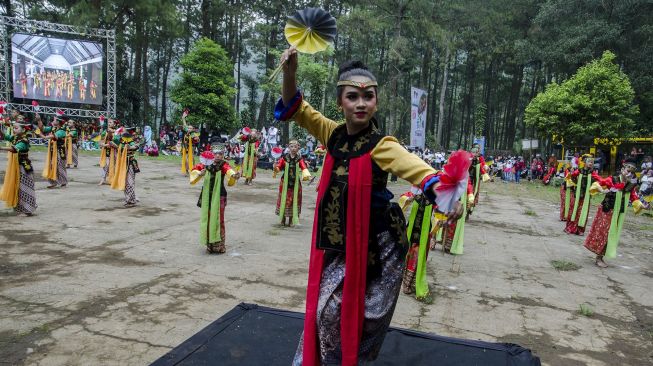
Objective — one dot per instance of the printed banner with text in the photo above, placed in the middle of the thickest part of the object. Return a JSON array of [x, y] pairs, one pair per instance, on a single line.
[[418, 101]]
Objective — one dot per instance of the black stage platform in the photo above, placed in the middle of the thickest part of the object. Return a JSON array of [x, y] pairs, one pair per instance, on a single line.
[[255, 335]]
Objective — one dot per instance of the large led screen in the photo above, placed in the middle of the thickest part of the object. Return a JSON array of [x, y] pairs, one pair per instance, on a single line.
[[62, 70]]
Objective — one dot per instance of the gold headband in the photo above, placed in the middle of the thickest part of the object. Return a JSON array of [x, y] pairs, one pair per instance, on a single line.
[[357, 84]]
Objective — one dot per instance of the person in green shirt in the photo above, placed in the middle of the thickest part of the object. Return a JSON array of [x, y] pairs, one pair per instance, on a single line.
[[18, 188], [71, 131], [124, 178], [56, 133]]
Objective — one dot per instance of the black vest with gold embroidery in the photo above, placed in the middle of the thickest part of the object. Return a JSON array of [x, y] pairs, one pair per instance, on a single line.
[[610, 198], [215, 168], [332, 210], [292, 169], [23, 157]]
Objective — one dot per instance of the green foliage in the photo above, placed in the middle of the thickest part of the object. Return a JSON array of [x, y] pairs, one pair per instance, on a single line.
[[530, 212], [312, 76], [205, 86], [585, 310], [562, 265], [596, 102]]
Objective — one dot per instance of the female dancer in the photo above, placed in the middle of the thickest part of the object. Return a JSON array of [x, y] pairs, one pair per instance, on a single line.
[[347, 316], [18, 188], [289, 200], [213, 198], [606, 228]]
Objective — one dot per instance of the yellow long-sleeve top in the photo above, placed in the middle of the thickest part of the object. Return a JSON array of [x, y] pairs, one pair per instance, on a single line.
[[388, 154]]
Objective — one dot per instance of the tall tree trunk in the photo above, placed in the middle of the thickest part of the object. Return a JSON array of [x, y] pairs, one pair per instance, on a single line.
[[269, 65], [157, 91], [187, 30], [145, 119], [239, 54], [205, 10], [443, 92], [513, 104], [471, 115], [487, 92], [164, 87], [450, 118]]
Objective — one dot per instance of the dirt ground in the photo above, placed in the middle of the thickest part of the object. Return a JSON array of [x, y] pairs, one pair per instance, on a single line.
[[88, 282]]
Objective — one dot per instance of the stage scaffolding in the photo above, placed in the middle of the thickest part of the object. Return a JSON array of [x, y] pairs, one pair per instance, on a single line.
[[27, 26]]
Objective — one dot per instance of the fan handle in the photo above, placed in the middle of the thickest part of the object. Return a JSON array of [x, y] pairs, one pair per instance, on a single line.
[[276, 71]]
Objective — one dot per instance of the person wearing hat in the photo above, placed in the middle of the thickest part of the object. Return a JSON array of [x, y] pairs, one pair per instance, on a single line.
[[6, 127], [107, 151], [453, 234], [289, 199], [124, 178], [189, 139], [581, 179], [72, 147], [477, 174], [423, 222], [619, 191], [18, 188], [357, 229], [55, 162], [566, 194], [213, 198], [252, 141]]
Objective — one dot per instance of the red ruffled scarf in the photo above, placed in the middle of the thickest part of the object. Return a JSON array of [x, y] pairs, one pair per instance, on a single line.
[[359, 197]]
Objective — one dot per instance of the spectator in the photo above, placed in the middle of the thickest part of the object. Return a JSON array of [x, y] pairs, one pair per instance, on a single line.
[[273, 134], [519, 166], [647, 164]]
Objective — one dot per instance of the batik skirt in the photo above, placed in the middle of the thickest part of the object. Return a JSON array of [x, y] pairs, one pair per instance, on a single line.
[[130, 186], [289, 201], [597, 239], [381, 295], [572, 222], [26, 193], [75, 154], [62, 176]]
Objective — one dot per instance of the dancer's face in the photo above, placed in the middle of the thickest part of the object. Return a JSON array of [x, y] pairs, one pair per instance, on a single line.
[[294, 148], [18, 129], [358, 105]]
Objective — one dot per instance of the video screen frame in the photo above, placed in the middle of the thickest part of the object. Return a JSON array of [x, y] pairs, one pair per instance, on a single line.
[[49, 68]]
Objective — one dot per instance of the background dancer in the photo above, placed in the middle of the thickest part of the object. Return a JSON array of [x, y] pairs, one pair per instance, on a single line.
[[619, 191], [18, 188], [55, 163], [289, 199], [124, 178], [582, 179], [252, 142], [213, 198]]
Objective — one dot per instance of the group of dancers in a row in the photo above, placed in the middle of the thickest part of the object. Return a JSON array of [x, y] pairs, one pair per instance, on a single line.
[[117, 158], [53, 84], [216, 172], [619, 191], [357, 228]]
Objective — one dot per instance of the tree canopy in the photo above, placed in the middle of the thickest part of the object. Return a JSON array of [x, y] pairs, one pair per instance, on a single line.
[[597, 101], [205, 86], [480, 61]]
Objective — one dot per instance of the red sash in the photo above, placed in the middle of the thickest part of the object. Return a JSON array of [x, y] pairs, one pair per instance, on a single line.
[[359, 197]]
